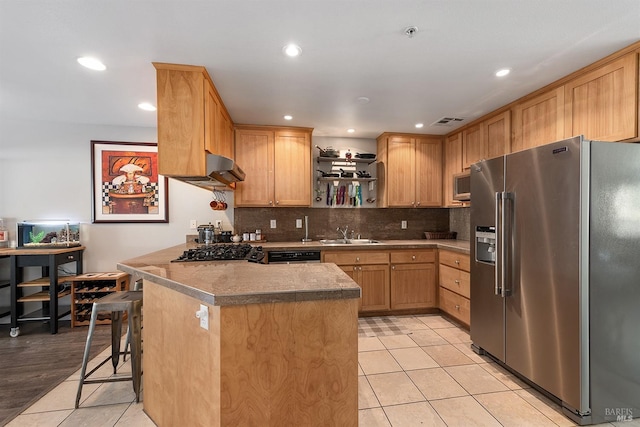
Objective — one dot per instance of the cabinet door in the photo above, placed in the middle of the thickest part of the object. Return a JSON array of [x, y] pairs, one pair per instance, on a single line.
[[292, 168], [413, 286], [428, 172], [452, 166], [401, 171], [539, 120], [603, 104], [474, 145], [181, 100], [498, 130], [254, 154], [374, 281], [212, 113]]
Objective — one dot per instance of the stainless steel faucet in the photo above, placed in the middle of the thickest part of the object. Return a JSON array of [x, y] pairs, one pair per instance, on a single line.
[[344, 232]]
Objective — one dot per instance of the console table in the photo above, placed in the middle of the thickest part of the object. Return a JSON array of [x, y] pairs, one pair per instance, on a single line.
[[48, 260]]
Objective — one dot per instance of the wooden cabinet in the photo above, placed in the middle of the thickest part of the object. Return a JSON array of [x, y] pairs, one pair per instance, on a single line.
[[454, 278], [539, 120], [603, 104], [411, 170], [192, 120], [487, 139], [413, 278], [452, 166], [390, 280], [277, 164], [370, 270]]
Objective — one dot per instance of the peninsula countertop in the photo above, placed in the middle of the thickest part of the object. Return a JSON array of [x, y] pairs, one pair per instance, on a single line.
[[240, 282]]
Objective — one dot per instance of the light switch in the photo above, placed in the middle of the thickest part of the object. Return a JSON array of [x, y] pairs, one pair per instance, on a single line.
[[298, 223], [203, 315], [273, 223], [193, 224], [403, 225]]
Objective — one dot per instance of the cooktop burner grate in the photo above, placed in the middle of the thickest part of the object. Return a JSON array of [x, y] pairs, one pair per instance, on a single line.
[[222, 252]]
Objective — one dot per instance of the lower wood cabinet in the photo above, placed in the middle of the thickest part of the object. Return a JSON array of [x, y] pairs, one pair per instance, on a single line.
[[390, 280], [454, 278], [370, 270], [413, 279]]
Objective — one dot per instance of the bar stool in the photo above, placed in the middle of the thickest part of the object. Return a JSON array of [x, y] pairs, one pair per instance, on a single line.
[[116, 303]]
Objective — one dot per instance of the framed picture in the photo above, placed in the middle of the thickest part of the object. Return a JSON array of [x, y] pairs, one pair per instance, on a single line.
[[126, 184]]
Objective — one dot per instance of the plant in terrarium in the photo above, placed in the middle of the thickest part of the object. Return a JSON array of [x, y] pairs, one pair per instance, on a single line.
[[36, 238]]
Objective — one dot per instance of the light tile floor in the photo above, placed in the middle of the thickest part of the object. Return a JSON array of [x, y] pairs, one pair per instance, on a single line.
[[413, 371]]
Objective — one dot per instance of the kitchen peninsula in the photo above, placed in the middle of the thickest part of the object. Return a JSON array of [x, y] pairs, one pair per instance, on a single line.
[[280, 348]]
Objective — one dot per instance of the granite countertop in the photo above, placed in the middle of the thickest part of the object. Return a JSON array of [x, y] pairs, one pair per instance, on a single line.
[[241, 282]]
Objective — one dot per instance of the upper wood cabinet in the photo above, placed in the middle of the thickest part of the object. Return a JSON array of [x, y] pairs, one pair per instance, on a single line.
[[487, 139], [603, 104], [539, 120], [411, 170], [452, 166], [277, 164], [192, 120]]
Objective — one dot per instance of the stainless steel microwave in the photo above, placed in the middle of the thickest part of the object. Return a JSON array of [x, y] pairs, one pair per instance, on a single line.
[[462, 187]]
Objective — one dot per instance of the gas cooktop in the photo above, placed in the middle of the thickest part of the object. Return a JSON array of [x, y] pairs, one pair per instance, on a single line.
[[222, 252]]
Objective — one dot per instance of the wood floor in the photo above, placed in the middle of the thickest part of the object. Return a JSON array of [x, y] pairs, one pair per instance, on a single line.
[[36, 361]]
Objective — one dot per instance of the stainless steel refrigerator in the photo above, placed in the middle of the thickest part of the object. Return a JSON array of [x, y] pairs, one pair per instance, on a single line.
[[555, 272]]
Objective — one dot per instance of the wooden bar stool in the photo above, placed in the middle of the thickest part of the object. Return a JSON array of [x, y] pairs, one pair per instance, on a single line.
[[116, 303]]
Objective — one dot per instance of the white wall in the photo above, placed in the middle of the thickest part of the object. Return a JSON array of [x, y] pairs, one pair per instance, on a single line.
[[45, 173]]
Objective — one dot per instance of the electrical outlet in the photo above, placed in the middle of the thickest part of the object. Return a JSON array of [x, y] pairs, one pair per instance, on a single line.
[[298, 223], [273, 223], [203, 315], [193, 224], [403, 225], [218, 223]]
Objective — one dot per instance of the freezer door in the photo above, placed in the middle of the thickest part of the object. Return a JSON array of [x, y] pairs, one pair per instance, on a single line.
[[487, 308], [542, 309]]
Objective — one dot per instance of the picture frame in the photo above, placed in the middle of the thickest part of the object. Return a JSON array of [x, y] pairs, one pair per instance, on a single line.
[[126, 185]]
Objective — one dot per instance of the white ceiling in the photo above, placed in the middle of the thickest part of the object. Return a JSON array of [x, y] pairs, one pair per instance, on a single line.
[[350, 48]]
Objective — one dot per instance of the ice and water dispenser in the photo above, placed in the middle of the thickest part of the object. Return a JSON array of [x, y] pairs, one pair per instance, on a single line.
[[486, 244]]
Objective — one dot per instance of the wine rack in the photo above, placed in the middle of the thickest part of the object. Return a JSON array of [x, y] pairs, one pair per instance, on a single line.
[[89, 287]]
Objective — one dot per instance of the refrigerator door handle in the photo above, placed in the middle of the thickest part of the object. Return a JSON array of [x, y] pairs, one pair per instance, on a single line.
[[499, 260], [504, 238]]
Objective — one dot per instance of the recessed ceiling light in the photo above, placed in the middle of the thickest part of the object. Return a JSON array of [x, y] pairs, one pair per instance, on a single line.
[[503, 72], [146, 106], [419, 125], [292, 50], [362, 100], [351, 130], [92, 63], [288, 117]]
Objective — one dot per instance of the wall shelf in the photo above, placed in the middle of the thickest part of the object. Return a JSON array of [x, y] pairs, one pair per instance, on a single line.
[[343, 160]]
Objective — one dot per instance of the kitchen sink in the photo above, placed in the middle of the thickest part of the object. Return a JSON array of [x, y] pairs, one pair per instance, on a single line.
[[348, 241]]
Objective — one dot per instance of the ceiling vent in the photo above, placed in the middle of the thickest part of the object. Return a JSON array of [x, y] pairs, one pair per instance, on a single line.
[[447, 121]]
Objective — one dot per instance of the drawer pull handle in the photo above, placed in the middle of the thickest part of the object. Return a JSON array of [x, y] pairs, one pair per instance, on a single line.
[[393, 267], [457, 282], [457, 261], [413, 257], [357, 259], [457, 307]]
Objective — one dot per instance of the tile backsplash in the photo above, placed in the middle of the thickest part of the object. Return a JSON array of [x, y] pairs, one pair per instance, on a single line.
[[369, 223], [459, 221]]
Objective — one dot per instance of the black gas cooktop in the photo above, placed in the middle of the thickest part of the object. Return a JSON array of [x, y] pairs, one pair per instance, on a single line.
[[222, 252]]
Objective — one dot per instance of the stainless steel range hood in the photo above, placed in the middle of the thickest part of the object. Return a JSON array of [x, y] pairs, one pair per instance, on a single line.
[[222, 173]]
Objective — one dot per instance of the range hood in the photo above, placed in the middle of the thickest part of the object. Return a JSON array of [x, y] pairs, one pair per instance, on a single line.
[[222, 172]]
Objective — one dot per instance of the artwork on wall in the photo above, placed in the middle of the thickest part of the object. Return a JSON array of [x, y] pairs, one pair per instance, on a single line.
[[126, 184]]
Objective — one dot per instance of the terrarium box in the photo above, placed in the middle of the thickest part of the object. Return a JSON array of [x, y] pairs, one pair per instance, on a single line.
[[41, 234]]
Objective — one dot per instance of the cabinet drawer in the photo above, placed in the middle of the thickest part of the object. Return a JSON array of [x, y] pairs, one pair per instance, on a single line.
[[455, 280], [455, 305], [413, 255], [455, 259], [349, 258]]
